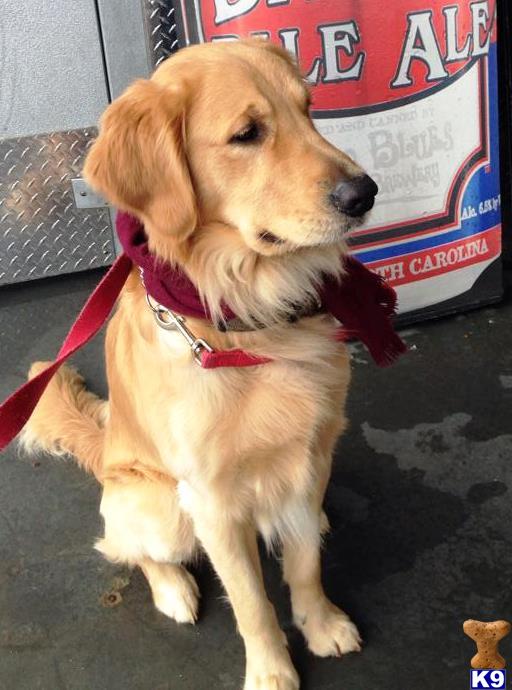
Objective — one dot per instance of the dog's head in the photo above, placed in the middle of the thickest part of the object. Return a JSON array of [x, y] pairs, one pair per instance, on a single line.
[[218, 146]]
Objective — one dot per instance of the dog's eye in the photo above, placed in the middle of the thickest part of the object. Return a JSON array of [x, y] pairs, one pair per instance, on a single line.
[[248, 135]]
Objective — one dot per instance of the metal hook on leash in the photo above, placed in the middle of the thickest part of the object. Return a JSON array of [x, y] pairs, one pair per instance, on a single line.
[[170, 321]]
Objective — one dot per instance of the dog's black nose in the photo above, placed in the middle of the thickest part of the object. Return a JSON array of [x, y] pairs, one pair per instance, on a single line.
[[354, 197]]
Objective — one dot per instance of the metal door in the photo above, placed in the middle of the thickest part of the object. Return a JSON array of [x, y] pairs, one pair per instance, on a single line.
[[60, 65], [52, 92]]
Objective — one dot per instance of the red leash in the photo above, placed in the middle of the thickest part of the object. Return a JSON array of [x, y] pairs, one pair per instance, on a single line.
[[16, 410]]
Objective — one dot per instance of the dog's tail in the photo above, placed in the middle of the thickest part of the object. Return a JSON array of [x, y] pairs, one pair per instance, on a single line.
[[68, 420]]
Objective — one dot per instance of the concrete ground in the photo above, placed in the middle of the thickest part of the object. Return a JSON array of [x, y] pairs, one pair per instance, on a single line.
[[419, 503]]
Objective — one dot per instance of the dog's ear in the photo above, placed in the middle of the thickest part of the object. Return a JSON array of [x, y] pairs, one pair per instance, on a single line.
[[138, 161]]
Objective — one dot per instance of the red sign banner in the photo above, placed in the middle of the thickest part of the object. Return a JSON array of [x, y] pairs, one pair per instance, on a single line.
[[433, 262], [427, 43]]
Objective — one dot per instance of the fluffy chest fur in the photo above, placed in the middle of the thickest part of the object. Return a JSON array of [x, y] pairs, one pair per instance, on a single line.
[[247, 439]]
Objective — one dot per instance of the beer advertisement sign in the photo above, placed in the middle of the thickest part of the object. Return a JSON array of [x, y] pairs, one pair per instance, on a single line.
[[409, 90]]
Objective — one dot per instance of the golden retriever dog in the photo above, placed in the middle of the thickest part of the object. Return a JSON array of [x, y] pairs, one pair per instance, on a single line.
[[217, 155]]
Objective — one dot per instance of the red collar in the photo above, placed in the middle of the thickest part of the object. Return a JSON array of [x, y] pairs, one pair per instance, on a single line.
[[362, 302]]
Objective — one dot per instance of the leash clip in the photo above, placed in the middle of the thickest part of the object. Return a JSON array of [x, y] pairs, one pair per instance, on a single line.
[[170, 321]]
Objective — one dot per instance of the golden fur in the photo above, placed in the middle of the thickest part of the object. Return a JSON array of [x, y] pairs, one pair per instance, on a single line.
[[189, 456]]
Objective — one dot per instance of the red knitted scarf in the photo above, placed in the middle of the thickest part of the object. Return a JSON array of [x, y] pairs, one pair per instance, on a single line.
[[363, 302]]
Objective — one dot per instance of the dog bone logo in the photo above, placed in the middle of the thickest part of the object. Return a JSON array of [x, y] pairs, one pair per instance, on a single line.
[[487, 637]]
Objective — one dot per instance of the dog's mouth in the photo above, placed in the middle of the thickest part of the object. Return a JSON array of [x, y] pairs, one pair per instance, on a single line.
[[269, 237], [327, 233]]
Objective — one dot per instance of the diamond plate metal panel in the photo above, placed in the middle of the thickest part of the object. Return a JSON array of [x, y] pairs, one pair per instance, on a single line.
[[161, 29], [42, 233]]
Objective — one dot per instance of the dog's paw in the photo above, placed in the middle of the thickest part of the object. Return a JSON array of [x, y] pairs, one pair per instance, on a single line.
[[284, 680], [330, 632], [178, 596], [269, 666]]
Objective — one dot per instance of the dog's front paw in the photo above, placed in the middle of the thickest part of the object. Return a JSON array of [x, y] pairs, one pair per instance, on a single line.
[[267, 670], [272, 681], [330, 632]]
